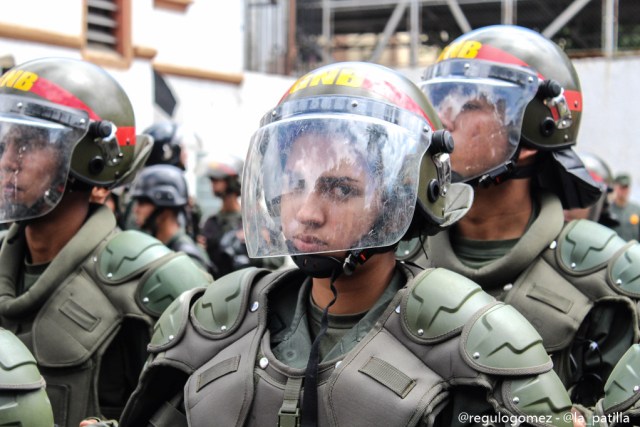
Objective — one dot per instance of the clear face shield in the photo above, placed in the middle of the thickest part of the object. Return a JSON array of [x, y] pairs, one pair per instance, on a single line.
[[482, 104], [318, 183], [35, 155]]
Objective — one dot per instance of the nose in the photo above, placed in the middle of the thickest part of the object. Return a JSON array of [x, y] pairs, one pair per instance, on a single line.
[[10, 159], [310, 211]]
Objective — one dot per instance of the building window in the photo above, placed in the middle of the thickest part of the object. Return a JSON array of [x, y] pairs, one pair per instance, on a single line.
[[108, 31]]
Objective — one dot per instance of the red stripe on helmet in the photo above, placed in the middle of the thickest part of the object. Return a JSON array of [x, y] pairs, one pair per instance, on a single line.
[[396, 97], [126, 135], [59, 95], [56, 94], [491, 53], [574, 99]]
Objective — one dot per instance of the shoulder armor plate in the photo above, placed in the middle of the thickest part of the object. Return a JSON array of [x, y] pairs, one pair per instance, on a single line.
[[621, 389], [501, 341], [624, 271], [18, 369], [439, 303], [585, 246], [542, 397], [170, 327], [222, 307], [127, 254], [159, 286]]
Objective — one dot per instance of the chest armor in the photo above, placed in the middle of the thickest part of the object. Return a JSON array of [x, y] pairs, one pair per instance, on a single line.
[[585, 265], [434, 334], [85, 305]]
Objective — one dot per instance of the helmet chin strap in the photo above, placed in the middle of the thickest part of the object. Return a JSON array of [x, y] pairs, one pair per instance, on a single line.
[[324, 266]]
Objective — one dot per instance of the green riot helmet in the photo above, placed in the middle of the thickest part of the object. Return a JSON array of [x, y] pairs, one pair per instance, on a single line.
[[62, 122], [23, 400], [350, 156], [502, 87], [162, 185]]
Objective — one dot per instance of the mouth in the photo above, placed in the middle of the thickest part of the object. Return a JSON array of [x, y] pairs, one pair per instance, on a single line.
[[309, 243], [10, 192]]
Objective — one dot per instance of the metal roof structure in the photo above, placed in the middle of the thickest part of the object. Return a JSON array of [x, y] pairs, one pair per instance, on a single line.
[[321, 30]]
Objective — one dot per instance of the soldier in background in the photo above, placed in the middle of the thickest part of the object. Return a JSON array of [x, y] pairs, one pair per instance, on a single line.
[[160, 199], [626, 210], [600, 211], [512, 100], [80, 293]]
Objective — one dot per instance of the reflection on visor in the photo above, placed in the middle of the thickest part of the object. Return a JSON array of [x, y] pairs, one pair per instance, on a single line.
[[35, 157], [483, 108], [321, 184]]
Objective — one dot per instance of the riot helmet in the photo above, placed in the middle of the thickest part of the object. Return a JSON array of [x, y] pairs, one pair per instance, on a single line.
[[601, 174], [23, 400], [63, 122], [168, 144], [504, 87], [348, 159], [228, 169], [162, 185]]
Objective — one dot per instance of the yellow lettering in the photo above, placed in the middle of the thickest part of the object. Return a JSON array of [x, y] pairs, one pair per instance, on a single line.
[[342, 77], [10, 77], [348, 77], [466, 49], [469, 49], [18, 79], [444, 54], [455, 48], [25, 81], [327, 78], [301, 83]]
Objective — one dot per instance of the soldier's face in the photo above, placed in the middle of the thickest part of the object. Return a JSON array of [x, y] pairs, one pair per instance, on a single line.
[[480, 138], [326, 203], [142, 209], [26, 168]]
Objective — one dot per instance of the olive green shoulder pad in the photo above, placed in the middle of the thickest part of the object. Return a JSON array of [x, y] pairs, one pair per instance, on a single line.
[[18, 368], [585, 246], [623, 274], [500, 341], [542, 397], [439, 303], [622, 389], [170, 327], [162, 284], [222, 307], [127, 254]]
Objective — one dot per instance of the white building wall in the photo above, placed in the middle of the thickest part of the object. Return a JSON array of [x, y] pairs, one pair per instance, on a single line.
[[208, 36], [610, 125]]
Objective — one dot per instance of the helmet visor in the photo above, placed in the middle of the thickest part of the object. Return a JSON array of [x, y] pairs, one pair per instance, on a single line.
[[35, 158], [330, 183], [482, 104]]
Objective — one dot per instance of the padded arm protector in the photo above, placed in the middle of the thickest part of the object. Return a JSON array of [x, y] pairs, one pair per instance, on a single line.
[[621, 401]]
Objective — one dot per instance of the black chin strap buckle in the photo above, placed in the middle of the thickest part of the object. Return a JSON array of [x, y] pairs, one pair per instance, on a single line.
[[354, 259], [497, 176]]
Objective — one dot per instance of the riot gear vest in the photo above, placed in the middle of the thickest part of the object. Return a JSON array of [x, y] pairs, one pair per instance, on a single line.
[[91, 312], [557, 275], [440, 330]]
